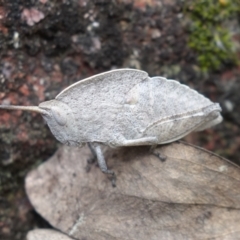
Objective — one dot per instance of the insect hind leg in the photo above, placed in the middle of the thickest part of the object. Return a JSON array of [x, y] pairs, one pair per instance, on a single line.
[[139, 141], [153, 141]]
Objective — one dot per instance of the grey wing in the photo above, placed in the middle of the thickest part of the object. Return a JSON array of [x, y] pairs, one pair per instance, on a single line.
[[176, 98], [97, 102], [170, 110], [107, 81]]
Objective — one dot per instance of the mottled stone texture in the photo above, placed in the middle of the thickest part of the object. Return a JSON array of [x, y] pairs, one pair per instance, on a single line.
[[47, 45]]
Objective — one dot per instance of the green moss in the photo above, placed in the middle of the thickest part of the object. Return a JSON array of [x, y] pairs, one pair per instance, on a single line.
[[208, 36]]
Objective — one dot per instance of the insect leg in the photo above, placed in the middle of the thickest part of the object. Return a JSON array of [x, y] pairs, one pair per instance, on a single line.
[[158, 155], [92, 150], [153, 141], [102, 163], [91, 160], [140, 141]]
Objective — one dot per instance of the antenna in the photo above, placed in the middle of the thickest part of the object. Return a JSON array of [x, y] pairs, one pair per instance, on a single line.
[[24, 108]]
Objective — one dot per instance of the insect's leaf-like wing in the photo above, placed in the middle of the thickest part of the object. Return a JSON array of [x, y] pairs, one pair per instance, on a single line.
[[97, 103], [105, 86], [177, 99]]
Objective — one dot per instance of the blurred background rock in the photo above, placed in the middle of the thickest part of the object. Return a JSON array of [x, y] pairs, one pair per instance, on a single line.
[[47, 45]]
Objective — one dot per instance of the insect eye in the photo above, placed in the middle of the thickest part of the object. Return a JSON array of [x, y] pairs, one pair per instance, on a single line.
[[59, 117]]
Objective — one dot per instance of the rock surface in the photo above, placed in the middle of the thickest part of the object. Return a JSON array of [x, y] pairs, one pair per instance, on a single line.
[[47, 45]]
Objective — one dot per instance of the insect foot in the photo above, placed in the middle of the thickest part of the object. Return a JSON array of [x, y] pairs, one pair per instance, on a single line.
[[160, 156], [125, 107]]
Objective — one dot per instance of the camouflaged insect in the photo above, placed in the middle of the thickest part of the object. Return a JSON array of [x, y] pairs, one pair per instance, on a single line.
[[125, 107]]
